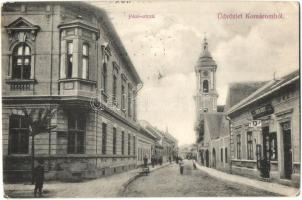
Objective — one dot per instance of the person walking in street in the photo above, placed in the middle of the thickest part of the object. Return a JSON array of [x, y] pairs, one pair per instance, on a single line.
[[194, 164], [153, 160], [160, 160], [39, 178], [181, 166], [145, 161], [170, 159]]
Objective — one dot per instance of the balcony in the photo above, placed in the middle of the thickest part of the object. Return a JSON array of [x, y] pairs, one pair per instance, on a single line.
[[77, 87], [20, 87]]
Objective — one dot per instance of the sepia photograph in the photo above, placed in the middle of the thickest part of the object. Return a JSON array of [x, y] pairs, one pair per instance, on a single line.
[[150, 98]]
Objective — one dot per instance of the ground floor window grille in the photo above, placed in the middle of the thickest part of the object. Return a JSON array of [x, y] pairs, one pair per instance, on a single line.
[[18, 135], [249, 145], [76, 135], [238, 146]]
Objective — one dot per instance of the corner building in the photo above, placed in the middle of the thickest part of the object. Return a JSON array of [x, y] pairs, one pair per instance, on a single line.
[[67, 55]]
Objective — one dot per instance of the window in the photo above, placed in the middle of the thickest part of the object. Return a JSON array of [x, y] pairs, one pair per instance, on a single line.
[[238, 140], [129, 100], [249, 145], [123, 142], [221, 155], [104, 72], [21, 62], [104, 138], [129, 147], [273, 146], [114, 90], [123, 98], [205, 86], [134, 145], [134, 105], [85, 61], [212, 80], [69, 59], [18, 135], [226, 154], [114, 141], [104, 77], [76, 135]]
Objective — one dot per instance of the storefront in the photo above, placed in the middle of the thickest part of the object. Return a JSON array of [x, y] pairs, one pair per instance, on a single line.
[[265, 132]]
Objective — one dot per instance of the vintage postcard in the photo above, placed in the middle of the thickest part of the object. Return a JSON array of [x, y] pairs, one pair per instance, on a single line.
[[151, 98]]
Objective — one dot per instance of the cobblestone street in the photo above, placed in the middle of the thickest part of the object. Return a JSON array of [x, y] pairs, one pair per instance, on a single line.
[[168, 182]]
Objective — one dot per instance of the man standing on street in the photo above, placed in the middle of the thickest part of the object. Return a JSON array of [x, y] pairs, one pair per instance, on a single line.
[[181, 166], [39, 178], [153, 160], [145, 161]]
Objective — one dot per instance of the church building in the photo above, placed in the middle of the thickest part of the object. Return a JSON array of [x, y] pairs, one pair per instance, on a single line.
[[211, 125]]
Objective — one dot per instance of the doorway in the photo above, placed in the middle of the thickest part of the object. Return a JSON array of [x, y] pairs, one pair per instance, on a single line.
[[207, 158], [287, 147], [265, 161], [214, 158]]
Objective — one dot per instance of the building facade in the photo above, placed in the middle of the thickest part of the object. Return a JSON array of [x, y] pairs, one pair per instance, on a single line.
[[266, 132], [146, 142], [68, 56], [165, 146]]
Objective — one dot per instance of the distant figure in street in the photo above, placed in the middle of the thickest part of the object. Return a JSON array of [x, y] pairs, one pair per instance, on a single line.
[[39, 178], [181, 166], [145, 161], [194, 164], [160, 160], [153, 160], [170, 159]]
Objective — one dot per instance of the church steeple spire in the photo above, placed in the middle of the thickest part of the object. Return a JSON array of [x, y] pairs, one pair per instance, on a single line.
[[206, 94], [205, 44]]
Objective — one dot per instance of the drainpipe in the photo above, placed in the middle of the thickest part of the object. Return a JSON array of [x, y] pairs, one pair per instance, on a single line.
[[230, 130]]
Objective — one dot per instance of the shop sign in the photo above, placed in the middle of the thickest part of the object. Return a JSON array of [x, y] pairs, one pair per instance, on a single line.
[[255, 123], [262, 111]]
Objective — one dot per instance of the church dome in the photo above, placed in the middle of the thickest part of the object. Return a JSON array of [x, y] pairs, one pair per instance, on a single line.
[[205, 59]]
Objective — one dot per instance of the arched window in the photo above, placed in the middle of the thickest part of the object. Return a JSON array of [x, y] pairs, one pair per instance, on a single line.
[[205, 86], [21, 62]]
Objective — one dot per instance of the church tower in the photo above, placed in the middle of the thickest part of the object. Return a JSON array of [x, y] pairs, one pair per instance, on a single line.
[[206, 94]]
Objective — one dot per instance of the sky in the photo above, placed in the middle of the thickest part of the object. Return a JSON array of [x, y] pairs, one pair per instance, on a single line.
[[170, 43]]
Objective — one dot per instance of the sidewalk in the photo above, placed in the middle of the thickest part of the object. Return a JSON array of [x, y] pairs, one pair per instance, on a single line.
[[267, 186], [110, 186]]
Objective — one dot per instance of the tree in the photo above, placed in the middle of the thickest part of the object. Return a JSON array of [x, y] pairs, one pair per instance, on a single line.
[[39, 121]]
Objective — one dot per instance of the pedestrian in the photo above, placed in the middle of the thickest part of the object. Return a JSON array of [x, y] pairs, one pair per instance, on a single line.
[[181, 166], [170, 159], [39, 178], [145, 161], [161, 160], [153, 160], [194, 164]]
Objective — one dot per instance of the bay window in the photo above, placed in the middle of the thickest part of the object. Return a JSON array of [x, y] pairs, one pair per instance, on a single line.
[[85, 61], [69, 59]]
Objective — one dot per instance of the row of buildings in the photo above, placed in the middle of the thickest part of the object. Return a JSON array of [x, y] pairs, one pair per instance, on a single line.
[[68, 56], [256, 133]]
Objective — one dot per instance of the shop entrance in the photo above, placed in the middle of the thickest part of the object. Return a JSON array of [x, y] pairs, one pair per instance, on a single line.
[[265, 161], [287, 150]]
